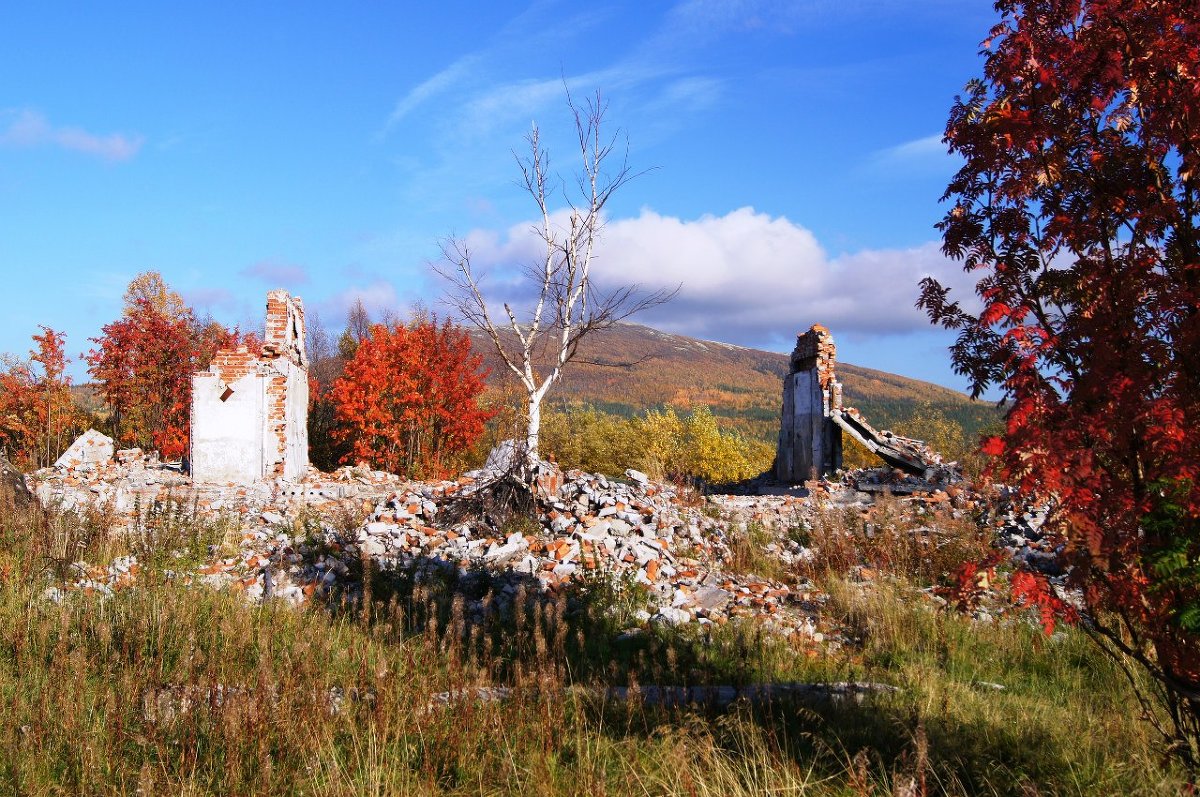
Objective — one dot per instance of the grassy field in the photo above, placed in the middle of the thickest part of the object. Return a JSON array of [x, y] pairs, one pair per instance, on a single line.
[[165, 689]]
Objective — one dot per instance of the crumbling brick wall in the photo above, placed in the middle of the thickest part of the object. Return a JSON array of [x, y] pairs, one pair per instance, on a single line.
[[250, 411], [810, 443]]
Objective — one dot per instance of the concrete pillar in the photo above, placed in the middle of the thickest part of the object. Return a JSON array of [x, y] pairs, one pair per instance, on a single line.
[[810, 443]]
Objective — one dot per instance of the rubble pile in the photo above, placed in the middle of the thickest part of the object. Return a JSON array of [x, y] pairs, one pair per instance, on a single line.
[[292, 541], [1019, 529], [131, 483], [590, 525], [587, 526]]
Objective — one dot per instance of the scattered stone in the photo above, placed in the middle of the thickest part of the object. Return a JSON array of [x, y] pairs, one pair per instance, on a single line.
[[637, 477], [989, 685], [90, 448]]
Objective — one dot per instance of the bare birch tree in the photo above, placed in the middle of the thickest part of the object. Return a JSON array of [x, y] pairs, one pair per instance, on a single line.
[[537, 345]]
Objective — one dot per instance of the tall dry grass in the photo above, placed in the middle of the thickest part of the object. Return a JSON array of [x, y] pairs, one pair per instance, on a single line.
[[166, 689]]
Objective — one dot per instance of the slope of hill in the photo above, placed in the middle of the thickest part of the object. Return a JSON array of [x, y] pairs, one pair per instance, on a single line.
[[631, 368]]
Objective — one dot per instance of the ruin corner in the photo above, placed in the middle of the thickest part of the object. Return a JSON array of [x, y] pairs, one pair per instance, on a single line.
[[810, 443], [250, 410]]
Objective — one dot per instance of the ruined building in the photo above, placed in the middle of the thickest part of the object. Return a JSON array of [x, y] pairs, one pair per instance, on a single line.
[[810, 431], [250, 411], [810, 443]]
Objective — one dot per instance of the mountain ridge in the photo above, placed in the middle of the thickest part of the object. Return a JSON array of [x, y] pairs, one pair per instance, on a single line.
[[631, 368]]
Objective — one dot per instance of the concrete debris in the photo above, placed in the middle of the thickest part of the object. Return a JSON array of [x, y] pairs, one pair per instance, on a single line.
[[131, 486], [814, 417], [296, 541], [169, 703], [1020, 530], [90, 448], [588, 527]]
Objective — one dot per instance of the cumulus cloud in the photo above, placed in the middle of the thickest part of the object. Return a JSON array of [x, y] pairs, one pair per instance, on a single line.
[[274, 272], [745, 277], [26, 128]]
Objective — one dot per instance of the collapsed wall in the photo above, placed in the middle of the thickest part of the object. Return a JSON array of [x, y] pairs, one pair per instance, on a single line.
[[250, 410], [810, 444], [813, 419]]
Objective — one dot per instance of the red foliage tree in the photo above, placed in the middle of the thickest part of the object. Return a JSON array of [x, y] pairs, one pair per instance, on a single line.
[[144, 365], [1077, 204], [38, 415], [407, 399]]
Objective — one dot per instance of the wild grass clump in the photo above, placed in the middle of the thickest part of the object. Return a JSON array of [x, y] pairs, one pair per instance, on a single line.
[[168, 689], [894, 538], [749, 551]]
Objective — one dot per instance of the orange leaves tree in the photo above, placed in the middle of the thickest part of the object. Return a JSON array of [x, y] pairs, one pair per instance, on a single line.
[[143, 366], [38, 416], [1077, 205], [407, 399]]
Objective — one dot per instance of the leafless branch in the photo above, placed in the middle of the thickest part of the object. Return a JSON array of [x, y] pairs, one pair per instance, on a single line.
[[568, 307]]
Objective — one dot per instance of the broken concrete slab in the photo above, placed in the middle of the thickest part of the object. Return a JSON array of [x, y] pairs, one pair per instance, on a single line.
[[813, 419], [90, 448]]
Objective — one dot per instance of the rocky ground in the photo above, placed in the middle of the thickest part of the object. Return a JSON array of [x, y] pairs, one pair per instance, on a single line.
[[294, 542]]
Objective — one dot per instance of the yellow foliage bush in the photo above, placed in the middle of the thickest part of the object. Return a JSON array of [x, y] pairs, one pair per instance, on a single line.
[[940, 433], [662, 443]]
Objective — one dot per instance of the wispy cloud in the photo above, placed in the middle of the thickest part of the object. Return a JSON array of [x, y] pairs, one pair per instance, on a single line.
[[920, 155], [482, 96], [532, 28], [923, 147], [277, 273], [435, 85], [472, 112], [27, 128]]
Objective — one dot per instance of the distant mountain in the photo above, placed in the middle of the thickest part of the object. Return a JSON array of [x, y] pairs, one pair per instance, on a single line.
[[631, 368]]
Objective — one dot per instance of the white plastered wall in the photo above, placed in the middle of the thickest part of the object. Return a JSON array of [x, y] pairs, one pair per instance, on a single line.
[[227, 435]]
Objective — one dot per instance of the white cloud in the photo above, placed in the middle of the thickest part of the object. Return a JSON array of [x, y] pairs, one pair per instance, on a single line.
[[479, 105], [28, 128], [917, 148], [470, 79], [745, 277]]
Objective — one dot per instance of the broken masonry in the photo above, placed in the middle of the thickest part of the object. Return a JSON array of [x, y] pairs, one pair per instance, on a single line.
[[813, 419], [250, 411]]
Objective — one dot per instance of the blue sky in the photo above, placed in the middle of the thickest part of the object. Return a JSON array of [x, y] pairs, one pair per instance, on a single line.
[[794, 154]]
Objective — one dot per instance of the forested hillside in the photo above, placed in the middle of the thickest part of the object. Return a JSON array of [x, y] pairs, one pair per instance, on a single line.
[[632, 368]]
